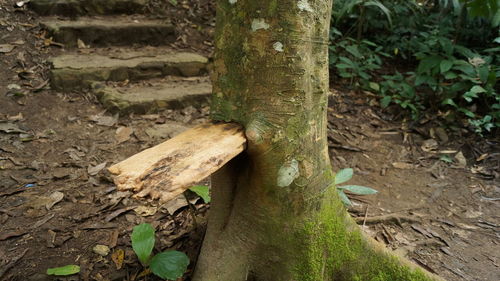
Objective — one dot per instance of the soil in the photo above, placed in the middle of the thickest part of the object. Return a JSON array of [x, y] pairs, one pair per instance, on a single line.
[[438, 189]]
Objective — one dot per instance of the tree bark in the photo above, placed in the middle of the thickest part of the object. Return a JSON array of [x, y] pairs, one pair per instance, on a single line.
[[275, 214]]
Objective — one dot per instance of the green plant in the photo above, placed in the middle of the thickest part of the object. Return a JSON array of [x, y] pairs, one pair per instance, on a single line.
[[399, 90], [345, 175], [66, 270], [356, 60], [202, 191], [168, 265]]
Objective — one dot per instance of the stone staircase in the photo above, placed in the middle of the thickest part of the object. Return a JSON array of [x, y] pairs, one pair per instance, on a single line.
[[114, 50]]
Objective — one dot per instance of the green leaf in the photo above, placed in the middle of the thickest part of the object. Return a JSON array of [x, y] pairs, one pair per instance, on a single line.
[[382, 8], [449, 102], [343, 175], [483, 72], [446, 158], [385, 101], [64, 270], [143, 241], [428, 63], [343, 66], [445, 65], [202, 191], [374, 86], [353, 50], [358, 189], [467, 112], [450, 75], [169, 265], [477, 89], [344, 198]]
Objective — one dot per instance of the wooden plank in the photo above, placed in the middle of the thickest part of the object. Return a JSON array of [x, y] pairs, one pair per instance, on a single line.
[[168, 169]]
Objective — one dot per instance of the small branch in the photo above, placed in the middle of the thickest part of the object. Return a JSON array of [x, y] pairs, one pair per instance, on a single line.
[[394, 218]]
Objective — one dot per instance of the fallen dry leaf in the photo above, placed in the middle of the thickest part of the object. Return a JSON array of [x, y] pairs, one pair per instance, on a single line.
[[175, 204], [81, 44], [94, 170], [145, 211], [15, 117], [9, 234], [118, 257], [403, 165], [6, 48], [9, 128], [104, 120], [123, 134], [461, 161], [55, 198]]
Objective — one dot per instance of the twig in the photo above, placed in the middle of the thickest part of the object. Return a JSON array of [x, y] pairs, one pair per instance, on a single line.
[[193, 210], [395, 218], [366, 215]]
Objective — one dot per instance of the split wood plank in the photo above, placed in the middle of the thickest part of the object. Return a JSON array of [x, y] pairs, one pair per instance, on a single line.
[[168, 169]]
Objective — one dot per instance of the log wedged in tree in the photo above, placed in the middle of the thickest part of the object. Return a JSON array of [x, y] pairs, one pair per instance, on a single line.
[[168, 169], [275, 214]]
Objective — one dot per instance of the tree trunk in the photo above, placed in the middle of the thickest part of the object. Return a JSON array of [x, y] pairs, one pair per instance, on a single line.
[[275, 214]]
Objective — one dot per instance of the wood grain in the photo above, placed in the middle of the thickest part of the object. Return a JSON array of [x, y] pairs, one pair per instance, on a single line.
[[168, 169]]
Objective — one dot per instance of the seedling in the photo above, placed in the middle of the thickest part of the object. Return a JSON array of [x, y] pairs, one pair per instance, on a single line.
[[168, 265], [345, 175]]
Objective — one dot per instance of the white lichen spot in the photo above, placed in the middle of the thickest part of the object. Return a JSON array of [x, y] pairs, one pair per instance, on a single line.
[[288, 173], [259, 24], [278, 46], [304, 6], [232, 2]]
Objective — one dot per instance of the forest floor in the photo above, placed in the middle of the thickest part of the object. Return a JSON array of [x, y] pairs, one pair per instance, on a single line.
[[439, 190]]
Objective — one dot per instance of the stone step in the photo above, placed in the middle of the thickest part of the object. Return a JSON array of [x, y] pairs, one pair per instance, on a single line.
[[72, 8], [154, 95], [110, 31], [77, 71]]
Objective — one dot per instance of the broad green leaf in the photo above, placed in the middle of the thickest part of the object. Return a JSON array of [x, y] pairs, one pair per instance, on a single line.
[[450, 75], [445, 65], [374, 86], [446, 158], [353, 50], [343, 66], [497, 40], [169, 265], [202, 191], [496, 19], [344, 198], [427, 63], [421, 79], [385, 101], [143, 241], [64, 270], [467, 112], [449, 102], [382, 8], [477, 89], [483, 73], [358, 189], [343, 175]]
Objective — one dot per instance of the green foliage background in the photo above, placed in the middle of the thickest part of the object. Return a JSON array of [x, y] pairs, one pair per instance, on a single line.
[[439, 55]]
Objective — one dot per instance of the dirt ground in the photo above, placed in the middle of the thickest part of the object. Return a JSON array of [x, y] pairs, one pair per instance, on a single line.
[[437, 204]]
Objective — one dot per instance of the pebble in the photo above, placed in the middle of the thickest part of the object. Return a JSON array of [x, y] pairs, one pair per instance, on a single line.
[[102, 250]]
